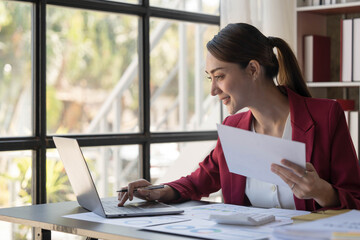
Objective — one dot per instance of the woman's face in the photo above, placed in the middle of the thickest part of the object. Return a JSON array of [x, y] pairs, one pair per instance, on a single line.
[[229, 82]]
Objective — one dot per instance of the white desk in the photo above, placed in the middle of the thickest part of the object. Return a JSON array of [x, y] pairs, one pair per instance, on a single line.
[[48, 217]]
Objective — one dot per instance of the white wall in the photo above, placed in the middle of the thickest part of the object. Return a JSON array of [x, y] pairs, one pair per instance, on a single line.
[[272, 17]]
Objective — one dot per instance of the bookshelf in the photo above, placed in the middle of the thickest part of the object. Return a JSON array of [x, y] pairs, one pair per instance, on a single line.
[[325, 20]]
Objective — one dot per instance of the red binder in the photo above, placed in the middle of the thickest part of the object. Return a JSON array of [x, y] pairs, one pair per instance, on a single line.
[[317, 58]]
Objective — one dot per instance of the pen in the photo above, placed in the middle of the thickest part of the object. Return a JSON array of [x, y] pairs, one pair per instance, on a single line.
[[151, 187]]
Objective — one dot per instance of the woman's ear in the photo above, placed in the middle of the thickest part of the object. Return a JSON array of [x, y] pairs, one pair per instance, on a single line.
[[253, 68]]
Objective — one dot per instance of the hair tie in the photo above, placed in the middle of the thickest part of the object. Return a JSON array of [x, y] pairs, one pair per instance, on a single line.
[[271, 41]]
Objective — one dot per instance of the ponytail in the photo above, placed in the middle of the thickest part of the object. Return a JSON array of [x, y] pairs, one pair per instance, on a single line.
[[289, 70]]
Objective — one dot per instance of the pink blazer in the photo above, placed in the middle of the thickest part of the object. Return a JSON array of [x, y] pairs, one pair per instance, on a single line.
[[320, 124]]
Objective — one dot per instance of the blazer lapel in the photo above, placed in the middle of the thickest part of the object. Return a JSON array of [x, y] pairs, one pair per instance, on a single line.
[[303, 130], [303, 127]]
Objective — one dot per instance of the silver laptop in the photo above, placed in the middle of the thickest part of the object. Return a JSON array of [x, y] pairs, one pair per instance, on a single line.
[[86, 193]]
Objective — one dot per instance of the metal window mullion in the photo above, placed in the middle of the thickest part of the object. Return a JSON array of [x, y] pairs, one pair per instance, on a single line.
[[39, 98], [101, 5], [183, 136], [118, 168], [102, 163], [144, 99], [116, 129], [39, 110], [187, 16]]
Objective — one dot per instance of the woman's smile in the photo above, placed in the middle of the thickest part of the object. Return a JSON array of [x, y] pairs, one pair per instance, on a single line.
[[225, 100]]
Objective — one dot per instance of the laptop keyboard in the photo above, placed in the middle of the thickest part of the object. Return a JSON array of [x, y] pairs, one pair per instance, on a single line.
[[111, 207]]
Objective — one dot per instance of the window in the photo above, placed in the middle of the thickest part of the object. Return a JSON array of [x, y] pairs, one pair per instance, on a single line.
[[126, 78], [180, 94], [15, 69], [92, 72]]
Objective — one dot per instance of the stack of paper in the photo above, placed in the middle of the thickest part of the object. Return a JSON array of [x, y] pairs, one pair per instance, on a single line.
[[324, 229]]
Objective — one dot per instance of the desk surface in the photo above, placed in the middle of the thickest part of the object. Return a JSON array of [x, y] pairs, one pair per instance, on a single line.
[[49, 217]]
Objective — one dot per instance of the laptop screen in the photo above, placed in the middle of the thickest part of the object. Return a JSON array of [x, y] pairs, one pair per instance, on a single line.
[[79, 174]]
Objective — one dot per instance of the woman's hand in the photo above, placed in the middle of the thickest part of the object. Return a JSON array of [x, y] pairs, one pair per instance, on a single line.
[[165, 194], [306, 183]]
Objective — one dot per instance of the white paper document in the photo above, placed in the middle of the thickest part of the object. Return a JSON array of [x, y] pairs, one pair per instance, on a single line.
[[137, 222], [321, 229], [204, 211], [210, 230], [201, 227], [251, 154]]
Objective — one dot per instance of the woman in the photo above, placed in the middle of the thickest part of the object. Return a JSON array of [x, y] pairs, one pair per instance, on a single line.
[[242, 66]]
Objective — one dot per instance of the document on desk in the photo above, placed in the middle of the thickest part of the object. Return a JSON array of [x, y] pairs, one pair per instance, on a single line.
[[201, 227], [137, 222], [324, 228], [204, 211], [251, 154]]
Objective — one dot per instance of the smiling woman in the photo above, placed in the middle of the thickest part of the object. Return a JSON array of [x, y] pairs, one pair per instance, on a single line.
[[242, 67]]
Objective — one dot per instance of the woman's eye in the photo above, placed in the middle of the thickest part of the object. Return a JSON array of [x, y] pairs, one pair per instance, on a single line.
[[218, 77]]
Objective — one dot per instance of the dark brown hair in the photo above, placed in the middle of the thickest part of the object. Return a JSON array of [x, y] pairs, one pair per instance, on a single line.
[[240, 42]]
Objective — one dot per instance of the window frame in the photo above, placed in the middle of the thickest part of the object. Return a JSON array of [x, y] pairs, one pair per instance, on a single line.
[[41, 141]]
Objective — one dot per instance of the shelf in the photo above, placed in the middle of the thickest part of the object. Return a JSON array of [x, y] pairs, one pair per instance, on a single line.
[[325, 20], [333, 84], [339, 8]]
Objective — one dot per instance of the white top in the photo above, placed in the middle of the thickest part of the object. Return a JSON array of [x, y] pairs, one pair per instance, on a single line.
[[267, 195]]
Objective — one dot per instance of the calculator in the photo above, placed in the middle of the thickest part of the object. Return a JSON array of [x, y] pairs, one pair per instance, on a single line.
[[250, 219]]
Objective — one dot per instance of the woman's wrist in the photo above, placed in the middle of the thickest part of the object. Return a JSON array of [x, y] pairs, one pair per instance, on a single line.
[[328, 196], [169, 194]]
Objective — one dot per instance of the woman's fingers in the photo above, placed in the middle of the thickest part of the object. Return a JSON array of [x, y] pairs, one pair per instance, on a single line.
[[306, 183], [124, 196], [283, 173], [292, 172], [302, 181], [294, 167], [286, 174]]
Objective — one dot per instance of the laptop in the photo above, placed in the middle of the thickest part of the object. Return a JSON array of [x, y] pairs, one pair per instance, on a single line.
[[86, 193]]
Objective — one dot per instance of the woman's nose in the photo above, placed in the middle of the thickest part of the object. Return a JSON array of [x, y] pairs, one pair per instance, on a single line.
[[214, 88]]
